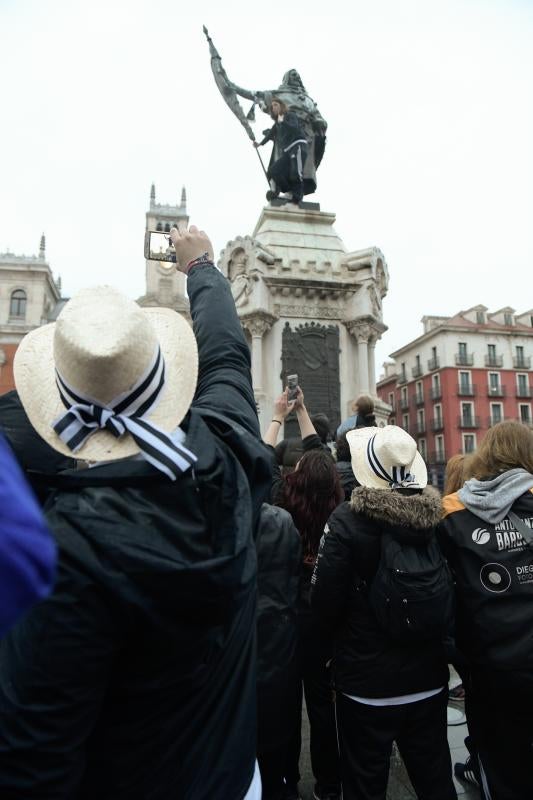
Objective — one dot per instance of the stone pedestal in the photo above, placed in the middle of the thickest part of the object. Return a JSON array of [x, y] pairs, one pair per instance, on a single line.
[[295, 269]]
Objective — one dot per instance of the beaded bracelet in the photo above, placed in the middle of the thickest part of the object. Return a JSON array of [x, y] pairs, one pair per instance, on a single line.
[[205, 258]]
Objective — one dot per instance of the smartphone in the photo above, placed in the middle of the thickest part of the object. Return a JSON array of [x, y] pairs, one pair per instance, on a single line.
[[158, 247], [292, 384]]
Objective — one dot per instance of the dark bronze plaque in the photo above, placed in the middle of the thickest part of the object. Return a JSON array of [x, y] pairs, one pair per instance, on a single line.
[[312, 352]]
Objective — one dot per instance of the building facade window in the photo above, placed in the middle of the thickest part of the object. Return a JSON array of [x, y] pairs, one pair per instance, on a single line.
[[480, 317], [420, 421], [467, 414], [465, 384], [469, 442], [520, 360], [494, 383], [439, 449], [524, 413], [508, 318], [419, 392], [522, 385], [405, 422], [391, 400], [17, 304], [496, 413], [422, 449], [463, 357]]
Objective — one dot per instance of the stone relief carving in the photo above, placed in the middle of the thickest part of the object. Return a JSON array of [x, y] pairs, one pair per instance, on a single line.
[[239, 278], [375, 301], [308, 311], [361, 331], [258, 324]]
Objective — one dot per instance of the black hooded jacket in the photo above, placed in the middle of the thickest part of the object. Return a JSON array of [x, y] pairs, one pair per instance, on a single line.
[[367, 663], [136, 679]]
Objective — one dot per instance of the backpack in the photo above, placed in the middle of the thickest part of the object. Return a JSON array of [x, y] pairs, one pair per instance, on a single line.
[[412, 592]]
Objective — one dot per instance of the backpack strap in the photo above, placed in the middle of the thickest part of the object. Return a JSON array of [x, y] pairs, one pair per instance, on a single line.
[[521, 527]]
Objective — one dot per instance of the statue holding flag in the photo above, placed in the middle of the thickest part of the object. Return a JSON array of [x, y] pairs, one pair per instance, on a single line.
[[298, 133]]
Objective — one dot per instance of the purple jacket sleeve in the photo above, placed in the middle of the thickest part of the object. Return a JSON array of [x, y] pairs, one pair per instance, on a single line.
[[27, 550]]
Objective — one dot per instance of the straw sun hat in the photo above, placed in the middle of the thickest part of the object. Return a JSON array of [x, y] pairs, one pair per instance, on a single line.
[[102, 346], [386, 458]]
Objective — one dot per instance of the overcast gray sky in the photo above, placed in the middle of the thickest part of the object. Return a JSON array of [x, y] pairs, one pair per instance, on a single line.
[[429, 154]]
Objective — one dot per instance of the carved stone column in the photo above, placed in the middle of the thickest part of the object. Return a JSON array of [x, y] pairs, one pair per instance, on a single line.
[[257, 324], [372, 364], [361, 331]]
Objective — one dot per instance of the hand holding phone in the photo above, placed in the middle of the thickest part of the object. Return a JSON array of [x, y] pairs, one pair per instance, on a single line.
[[292, 386]]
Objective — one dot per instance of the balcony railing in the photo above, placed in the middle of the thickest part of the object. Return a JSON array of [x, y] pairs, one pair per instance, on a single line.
[[419, 428], [466, 389], [464, 359], [436, 457], [402, 378], [524, 391], [436, 392], [467, 421], [418, 399], [491, 421], [433, 363], [522, 362], [496, 391], [404, 403], [437, 424], [417, 371], [494, 361]]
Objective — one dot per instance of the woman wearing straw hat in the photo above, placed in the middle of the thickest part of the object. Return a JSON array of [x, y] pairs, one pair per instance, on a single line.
[[136, 678], [390, 667]]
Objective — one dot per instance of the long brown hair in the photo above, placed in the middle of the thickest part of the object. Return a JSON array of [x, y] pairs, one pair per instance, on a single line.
[[310, 494], [508, 445], [454, 477]]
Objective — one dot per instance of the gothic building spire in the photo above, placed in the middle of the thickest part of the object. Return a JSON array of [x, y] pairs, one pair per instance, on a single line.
[[42, 246]]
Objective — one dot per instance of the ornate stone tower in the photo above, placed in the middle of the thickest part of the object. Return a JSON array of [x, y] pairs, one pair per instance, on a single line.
[[308, 306], [165, 286]]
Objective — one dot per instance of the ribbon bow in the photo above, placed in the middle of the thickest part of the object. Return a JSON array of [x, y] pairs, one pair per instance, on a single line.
[[123, 415], [400, 478]]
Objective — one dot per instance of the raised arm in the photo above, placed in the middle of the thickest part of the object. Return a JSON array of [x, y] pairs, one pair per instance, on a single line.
[[304, 420], [224, 376], [282, 407]]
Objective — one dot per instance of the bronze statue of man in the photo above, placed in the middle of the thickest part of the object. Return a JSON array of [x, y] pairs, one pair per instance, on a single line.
[[298, 125]]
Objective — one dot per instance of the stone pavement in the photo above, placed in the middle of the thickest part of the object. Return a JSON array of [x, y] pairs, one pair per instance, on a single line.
[[399, 784]]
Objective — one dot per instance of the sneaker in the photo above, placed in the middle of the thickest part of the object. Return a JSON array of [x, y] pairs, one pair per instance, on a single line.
[[466, 772], [318, 794]]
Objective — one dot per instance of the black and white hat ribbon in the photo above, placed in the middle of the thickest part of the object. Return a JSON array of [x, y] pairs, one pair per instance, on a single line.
[[399, 476], [123, 415]]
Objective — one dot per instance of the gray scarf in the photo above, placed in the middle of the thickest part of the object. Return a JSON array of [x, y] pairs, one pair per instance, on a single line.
[[491, 500]]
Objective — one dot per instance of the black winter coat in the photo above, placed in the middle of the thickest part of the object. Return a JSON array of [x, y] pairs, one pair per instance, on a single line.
[[367, 663], [279, 557], [494, 627], [136, 679]]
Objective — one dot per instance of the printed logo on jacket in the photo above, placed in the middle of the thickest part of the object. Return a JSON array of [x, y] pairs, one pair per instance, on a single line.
[[495, 577], [507, 537]]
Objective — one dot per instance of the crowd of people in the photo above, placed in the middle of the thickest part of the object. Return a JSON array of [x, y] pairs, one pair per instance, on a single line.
[[173, 583]]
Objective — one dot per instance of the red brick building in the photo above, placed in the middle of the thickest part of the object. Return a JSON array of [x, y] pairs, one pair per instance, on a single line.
[[462, 375]]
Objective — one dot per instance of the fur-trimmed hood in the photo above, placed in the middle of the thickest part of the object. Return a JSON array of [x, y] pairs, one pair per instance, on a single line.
[[419, 512]]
